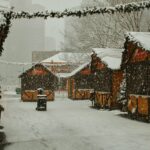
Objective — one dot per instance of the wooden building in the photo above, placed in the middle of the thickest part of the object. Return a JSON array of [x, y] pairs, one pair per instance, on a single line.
[[37, 77], [80, 83], [64, 63], [136, 63], [105, 64]]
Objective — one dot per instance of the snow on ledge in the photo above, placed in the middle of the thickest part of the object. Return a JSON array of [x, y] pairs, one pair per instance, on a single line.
[[103, 52], [112, 62], [142, 39], [63, 75], [110, 56], [137, 95], [67, 75], [68, 57]]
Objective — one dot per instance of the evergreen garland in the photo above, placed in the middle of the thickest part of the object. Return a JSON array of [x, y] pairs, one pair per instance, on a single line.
[[4, 30], [126, 8], [9, 15]]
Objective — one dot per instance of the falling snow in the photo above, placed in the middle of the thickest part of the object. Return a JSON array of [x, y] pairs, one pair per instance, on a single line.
[[69, 125]]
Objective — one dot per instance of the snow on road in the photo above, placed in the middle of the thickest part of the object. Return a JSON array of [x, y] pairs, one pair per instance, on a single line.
[[70, 125]]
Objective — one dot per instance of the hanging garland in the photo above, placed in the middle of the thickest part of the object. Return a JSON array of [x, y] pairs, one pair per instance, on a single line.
[[9, 15], [126, 8], [4, 29]]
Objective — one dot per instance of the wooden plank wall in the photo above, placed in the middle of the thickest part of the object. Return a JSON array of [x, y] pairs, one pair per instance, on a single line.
[[31, 95]]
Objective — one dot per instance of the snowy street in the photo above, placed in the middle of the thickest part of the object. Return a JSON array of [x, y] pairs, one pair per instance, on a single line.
[[63, 60], [70, 125]]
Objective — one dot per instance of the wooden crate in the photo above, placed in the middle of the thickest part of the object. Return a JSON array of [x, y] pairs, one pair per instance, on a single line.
[[139, 107], [132, 104], [81, 94], [78, 94], [29, 95], [102, 99], [143, 106], [50, 95], [117, 78], [88, 94]]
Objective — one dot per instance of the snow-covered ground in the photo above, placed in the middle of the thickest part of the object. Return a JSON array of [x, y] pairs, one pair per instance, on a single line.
[[70, 125]]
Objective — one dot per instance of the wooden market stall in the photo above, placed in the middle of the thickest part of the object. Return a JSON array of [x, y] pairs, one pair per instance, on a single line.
[[105, 64], [64, 63], [37, 77], [80, 83], [136, 63]]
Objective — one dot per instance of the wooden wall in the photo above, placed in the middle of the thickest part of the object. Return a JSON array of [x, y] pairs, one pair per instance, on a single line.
[[34, 78], [31, 95], [139, 106], [81, 84]]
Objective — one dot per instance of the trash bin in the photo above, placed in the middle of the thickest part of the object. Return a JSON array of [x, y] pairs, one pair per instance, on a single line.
[[41, 100]]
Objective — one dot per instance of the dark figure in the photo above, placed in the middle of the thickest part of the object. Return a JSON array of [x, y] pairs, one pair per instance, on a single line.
[[92, 97], [40, 91], [42, 100]]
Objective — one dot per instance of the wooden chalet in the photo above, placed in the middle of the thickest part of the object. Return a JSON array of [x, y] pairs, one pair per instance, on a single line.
[[37, 77], [64, 63], [80, 83], [136, 63], [105, 64]]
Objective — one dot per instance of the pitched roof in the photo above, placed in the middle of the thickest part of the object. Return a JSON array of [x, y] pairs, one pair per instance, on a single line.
[[65, 57], [38, 64], [110, 56], [78, 69], [38, 56], [142, 39], [112, 62], [103, 52]]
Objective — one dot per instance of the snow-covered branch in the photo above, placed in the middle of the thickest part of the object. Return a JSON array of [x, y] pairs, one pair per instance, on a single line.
[[124, 8]]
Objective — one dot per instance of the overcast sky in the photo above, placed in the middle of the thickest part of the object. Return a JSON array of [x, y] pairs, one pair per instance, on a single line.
[[58, 4], [55, 27]]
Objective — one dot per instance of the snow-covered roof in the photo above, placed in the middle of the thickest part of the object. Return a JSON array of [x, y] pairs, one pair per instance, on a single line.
[[65, 57], [38, 64], [110, 56], [112, 62], [62, 75], [78, 69], [103, 52], [141, 38]]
